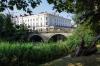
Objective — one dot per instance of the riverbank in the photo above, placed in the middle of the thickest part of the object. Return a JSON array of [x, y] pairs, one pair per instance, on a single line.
[[93, 60]]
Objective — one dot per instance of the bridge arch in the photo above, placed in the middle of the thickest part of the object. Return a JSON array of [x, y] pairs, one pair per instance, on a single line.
[[36, 38], [57, 37]]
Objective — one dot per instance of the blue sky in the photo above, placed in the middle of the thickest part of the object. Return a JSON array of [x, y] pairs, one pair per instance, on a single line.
[[44, 7]]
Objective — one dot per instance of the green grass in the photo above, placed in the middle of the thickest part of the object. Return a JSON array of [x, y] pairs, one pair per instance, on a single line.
[[34, 54], [28, 54]]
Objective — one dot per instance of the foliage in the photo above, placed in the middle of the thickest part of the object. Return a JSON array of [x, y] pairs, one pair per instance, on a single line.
[[10, 31], [27, 54], [20, 4], [86, 9], [21, 32], [6, 26], [76, 6], [2, 18], [83, 31]]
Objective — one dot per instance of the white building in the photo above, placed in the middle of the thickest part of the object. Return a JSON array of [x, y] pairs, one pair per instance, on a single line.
[[43, 21]]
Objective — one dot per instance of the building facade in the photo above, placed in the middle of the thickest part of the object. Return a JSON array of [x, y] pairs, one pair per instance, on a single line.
[[43, 22]]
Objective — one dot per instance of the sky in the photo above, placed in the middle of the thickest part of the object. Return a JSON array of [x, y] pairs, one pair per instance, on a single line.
[[43, 7]]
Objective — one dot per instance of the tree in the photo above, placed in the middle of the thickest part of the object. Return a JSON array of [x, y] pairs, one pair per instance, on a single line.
[[6, 26], [21, 33], [29, 11], [88, 9], [10, 31], [2, 18], [20, 4], [7, 29]]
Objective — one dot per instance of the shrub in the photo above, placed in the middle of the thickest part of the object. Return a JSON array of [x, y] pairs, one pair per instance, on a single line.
[[83, 31]]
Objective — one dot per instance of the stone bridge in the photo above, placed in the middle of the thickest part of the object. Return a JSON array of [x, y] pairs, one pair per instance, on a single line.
[[46, 37]]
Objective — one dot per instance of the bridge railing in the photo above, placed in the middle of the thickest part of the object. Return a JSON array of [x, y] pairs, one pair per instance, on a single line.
[[54, 30], [57, 31]]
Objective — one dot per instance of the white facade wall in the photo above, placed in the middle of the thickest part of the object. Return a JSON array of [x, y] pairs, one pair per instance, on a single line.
[[42, 21], [58, 21]]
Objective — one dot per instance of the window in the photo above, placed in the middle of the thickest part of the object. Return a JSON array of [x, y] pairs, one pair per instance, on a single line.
[[41, 29], [56, 24], [37, 19], [55, 20], [22, 20], [46, 18], [33, 28], [30, 20], [25, 20], [46, 23], [28, 26], [36, 24], [46, 29], [41, 24], [33, 24], [33, 19]]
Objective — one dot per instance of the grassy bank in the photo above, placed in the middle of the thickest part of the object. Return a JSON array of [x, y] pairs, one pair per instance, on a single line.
[[28, 54]]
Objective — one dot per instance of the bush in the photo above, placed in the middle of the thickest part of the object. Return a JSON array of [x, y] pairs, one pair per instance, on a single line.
[[17, 54], [83, 31]]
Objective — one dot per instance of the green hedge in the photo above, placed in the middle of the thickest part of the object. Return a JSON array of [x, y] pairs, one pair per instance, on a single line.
[[27, 54]]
